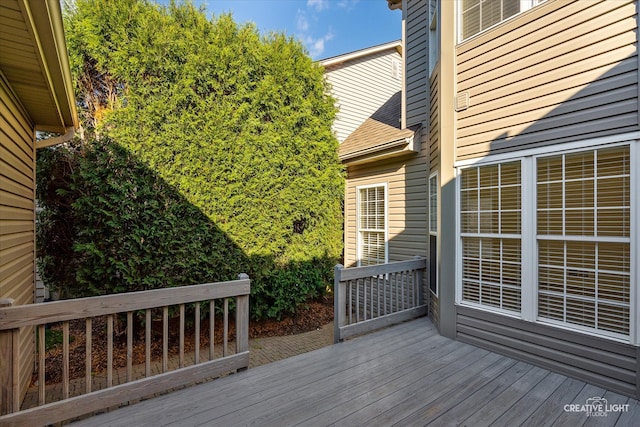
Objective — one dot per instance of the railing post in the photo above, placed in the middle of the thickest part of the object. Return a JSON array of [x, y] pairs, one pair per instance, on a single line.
[[9, 367], [242, 320], [339, 301]]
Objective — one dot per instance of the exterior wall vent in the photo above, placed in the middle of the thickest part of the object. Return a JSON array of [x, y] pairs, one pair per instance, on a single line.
[[395, 69], [462, 101]]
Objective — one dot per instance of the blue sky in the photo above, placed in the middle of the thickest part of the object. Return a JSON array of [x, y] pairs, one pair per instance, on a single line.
[[326, 27]]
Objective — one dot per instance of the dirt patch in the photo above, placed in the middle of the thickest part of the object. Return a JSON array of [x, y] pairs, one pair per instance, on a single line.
[[311, 316]]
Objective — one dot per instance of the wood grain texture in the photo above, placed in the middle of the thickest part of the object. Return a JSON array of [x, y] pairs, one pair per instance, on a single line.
[[404, 375], [57, 311]]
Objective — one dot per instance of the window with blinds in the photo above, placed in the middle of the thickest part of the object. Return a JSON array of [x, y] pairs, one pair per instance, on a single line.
[[478, 15], [433, 204], [490, 200], [583, 234], [372, 225], [433, 233]]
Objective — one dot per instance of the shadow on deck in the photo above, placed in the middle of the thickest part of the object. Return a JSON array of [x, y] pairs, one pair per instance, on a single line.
[[405, 375]]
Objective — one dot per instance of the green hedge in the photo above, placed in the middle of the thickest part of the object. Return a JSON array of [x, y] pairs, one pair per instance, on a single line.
[[209, 152]]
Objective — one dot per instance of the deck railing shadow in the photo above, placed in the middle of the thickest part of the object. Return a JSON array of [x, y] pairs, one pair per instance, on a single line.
[[376, 296], [136, 385]]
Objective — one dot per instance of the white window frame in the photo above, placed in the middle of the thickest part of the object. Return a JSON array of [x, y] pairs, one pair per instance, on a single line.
[[434, 176], [459, 246], [525, 5], [432, 232], [359, 243], [529, 270], [564, 238]]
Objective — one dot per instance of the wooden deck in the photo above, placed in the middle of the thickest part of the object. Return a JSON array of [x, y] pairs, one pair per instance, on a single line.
[[404, 375]]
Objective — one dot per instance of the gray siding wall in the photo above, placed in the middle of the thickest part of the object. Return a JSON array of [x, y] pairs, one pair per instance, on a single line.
[[598, 361], [417, 56], [361, 86], [17, 222], [560, 72]]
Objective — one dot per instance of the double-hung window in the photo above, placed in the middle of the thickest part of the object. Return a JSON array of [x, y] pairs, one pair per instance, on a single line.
[[550, 238], [372, 225], [584, 239], [478, 15], [433, 233], [490, 235]]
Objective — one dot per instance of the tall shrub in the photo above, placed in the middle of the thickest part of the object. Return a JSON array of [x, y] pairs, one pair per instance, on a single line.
[[238, 125]]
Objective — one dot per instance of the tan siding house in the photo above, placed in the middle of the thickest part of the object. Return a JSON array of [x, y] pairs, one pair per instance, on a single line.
[[362, 82], [524, 192], [35, 94]]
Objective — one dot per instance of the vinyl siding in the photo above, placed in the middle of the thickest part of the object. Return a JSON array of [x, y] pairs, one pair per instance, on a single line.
[[562, 71], [406, 179], [416, 59], [361, 86], [17, 226], [434, 123], [598, 361]]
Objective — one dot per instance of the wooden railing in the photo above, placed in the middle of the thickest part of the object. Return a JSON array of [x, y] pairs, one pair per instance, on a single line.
[[372, 297], [156, 377]]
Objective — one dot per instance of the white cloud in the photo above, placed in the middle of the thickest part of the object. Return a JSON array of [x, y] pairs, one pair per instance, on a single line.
[[318, 4], [302, 23], [347, 4], [316, 46]]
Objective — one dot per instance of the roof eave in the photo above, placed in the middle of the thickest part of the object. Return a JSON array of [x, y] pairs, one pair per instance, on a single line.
[[394, 4], [45, 23], [398, 147]]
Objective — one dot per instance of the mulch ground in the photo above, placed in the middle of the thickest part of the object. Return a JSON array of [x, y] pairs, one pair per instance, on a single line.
[[310, 317]]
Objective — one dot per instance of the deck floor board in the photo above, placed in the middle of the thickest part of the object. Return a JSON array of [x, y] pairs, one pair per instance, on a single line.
[[404, 375]]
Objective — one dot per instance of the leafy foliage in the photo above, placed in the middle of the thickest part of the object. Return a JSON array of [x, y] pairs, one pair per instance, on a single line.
[[209, 153]]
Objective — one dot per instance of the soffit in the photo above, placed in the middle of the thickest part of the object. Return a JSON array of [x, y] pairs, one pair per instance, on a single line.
[[33, 59]]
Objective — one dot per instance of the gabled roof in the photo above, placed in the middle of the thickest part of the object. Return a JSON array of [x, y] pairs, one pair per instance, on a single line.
[[339, 59], [35, 63], [380, 136]]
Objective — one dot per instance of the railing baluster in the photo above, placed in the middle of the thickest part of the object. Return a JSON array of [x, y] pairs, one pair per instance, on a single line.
[[385, 282], [225, 342], [109, 311], [109, 350], [364, 299], [371, 296], [41, 367], [404, 285], [147, 343], [350, 298], [129, 346], [398, 291], [212, 321], [65, 360], [357, 300], [197, 331], [181, 355], [415, 288], [88, 332], [165, 338]]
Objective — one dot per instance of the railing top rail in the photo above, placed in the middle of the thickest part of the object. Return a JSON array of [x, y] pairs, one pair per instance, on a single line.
[[58, 311], [352, 273]]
